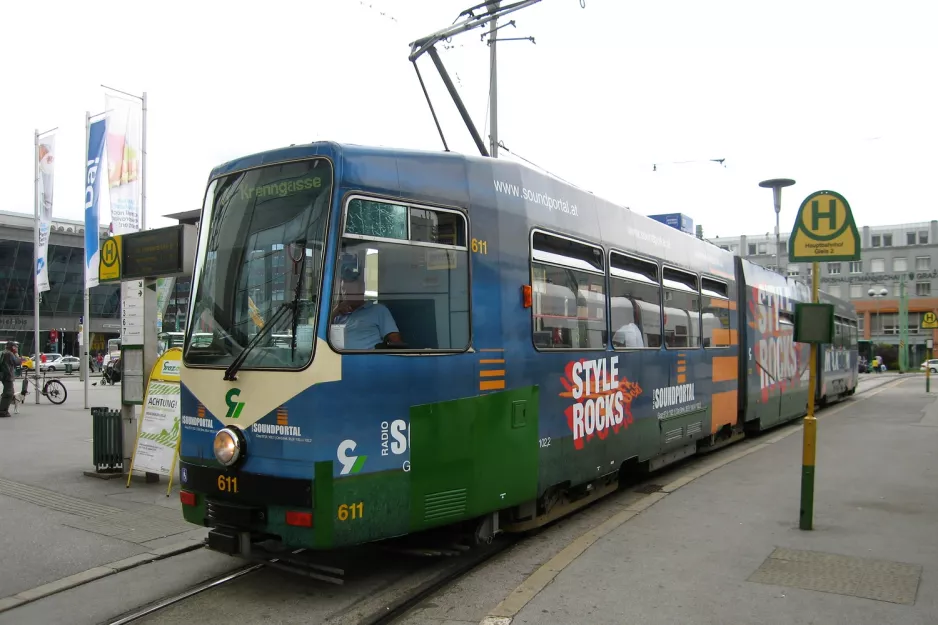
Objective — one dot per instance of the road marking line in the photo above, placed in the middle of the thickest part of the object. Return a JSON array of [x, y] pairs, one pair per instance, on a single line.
[[511, 605]]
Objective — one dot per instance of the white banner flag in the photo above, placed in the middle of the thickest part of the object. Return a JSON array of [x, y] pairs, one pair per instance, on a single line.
[[46, 167], [124, 138]]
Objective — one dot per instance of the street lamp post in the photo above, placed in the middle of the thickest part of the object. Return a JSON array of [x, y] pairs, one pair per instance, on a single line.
[[776, 184], [877, 295]]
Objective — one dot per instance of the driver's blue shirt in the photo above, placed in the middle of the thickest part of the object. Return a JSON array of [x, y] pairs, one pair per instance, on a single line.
[[366, 326]]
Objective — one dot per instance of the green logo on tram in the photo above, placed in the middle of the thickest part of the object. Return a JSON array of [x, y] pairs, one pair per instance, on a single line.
[[234, 407]]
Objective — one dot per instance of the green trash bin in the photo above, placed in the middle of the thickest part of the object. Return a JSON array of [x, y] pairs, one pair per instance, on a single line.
[[107, 446], [68, 368]]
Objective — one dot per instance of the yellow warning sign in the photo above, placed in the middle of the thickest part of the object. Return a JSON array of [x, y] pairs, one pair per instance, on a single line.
[[930, 321], [824, 230], [109, 264]]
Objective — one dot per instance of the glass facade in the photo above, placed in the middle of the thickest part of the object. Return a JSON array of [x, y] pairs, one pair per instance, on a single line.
[[60, 307]]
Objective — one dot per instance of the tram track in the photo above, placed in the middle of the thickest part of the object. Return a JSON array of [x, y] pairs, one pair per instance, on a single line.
[[429, 569]]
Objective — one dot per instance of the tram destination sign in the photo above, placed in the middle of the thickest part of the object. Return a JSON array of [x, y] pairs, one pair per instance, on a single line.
[[160, 253], [824, 230]]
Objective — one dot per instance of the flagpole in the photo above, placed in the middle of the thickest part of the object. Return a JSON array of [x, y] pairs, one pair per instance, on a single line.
[[143, 167], [36, 259], [86, 313]]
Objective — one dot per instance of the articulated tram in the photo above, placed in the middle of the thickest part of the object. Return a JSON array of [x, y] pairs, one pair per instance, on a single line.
[[382, 341]]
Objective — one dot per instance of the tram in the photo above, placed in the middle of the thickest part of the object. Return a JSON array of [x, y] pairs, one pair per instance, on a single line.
[[384, 341]]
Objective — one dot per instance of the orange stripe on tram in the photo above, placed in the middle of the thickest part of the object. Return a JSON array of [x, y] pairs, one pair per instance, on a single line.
[[723, 410], [725, 368], [724, 337]]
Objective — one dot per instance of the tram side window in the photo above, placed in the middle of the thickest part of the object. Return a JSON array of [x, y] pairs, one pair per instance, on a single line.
[[854, 334], [402, 279], [635, 298], [568, 295], [681, 309], [838, 332], [715, 313]]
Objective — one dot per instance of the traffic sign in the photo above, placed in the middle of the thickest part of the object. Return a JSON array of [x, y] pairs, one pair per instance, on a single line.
[[824, 230], [930, 321], [109, 266]]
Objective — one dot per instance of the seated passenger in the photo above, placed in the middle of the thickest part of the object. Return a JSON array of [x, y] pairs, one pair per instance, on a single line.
[[629, 335], [357, 323]]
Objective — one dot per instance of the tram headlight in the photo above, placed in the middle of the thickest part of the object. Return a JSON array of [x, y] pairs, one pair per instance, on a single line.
[[228, 447]]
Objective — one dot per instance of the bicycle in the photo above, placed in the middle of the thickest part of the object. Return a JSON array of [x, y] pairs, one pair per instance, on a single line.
[[52, 389]]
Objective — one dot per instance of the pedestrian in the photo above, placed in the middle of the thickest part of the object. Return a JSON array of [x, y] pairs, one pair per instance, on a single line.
[[8, 361]]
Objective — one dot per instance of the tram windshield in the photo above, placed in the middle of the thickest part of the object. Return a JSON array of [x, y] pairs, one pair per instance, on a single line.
[[260, 264]]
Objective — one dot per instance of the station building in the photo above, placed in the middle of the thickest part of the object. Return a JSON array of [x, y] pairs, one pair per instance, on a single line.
[[61, 308], [891, 256]]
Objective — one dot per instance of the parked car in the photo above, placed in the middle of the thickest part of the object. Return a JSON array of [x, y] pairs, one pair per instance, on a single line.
[[932, 365], [58, 364]]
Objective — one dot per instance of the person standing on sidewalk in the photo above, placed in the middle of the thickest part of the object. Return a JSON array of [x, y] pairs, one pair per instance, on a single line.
[[8, 363]]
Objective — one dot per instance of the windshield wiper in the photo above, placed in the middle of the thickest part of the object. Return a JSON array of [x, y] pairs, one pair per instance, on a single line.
[[232, 369], [296, 298]]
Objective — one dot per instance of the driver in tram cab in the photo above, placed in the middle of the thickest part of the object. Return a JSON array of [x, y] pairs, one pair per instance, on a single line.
[[356, 322]]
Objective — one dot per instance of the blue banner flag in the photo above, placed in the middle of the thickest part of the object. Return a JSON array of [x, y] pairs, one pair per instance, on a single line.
[[92, 186]]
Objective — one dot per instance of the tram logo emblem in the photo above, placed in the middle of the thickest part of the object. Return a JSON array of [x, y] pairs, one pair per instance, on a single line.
[[602, 402], [350, 463], [234, 407]]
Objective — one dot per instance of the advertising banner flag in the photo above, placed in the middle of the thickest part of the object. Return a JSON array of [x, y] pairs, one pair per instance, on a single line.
[[46, 167], [124, 139], [164, 288], [92, 190]]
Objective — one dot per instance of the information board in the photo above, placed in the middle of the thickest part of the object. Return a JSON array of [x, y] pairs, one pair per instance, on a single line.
[[152, 253], [158, 431]]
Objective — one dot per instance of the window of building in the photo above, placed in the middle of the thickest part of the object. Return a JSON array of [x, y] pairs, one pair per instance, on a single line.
[[681, 309], [752, 249], [923, 289], [635, 302], [861, 325], [878, 265], [833, 268], [725, 247], [900, 264], [856, 266], [834, 290], [877, 240], [763, 248], [922, 263], [407, 268], [793, 271], [856, 290], [569, 299], [715, 313], [923, 237], [887, 240], [910, 238], [897, 289]]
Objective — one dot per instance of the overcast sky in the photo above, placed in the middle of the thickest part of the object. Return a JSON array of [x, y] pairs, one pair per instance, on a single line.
[[837, 95]]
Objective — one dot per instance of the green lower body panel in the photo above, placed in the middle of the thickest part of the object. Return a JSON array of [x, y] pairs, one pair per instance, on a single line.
[[472, 456]]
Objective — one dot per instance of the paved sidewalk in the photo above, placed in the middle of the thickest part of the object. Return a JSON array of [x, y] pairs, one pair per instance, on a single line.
[[726, 548], [58, 522]]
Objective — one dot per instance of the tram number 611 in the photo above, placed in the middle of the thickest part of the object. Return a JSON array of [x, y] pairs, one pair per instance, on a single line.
[[478, 246], [351, 511], [227, 484]]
